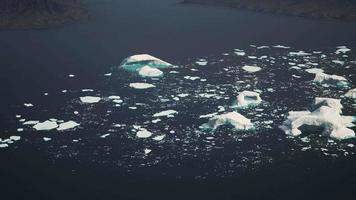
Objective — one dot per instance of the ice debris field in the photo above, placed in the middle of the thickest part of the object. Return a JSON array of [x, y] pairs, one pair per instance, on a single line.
[[238, 104]]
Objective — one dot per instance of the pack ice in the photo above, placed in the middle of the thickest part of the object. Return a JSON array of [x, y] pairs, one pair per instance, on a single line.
[[235, 119], [135, 62], [247, 98], [324, 113]]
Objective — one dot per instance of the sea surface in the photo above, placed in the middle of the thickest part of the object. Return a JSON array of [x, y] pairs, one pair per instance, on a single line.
[[45, 72]]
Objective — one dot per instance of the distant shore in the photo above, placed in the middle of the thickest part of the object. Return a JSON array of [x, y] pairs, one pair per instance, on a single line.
[[70, 11], [321, 9]]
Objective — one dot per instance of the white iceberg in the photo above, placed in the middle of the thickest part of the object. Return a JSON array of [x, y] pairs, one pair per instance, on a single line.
[[351, 93], [148, 71], [325, 113], [46, 125], [166, 113], [141, 86], [235, 119], [143, 133], [330, 79], [135, 62], [251, 69], [90, 99], [67, 125], [247, 98]]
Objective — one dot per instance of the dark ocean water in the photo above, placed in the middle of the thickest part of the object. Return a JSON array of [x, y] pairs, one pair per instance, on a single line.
[[188, 163]]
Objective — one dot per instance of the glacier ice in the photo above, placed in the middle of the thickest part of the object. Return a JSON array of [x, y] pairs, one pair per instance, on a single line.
[[247, 98], [141, 86], [324, 113], [135, 62], [147, 71], [235, 119]]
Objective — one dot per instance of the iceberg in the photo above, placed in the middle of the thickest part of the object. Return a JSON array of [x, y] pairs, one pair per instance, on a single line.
[[67, 125], [143, 133], [148, 71], [167, 113], [251, 69], [46, 125], [141, 86], [330, 79], [90, 99], [235, 119], [247, 98], [324, 113], [135, 62], [351, 93]]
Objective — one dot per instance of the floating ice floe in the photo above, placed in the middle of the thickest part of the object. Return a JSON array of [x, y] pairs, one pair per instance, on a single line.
[[281, 47], [251, 69], [159, 137], [46, 125], [147, 151], [28, 104], [148, 71], [247, 98], [192, 78], [67, 125], [330, 79], [314, 70], [133, 63], [143, 133], [235, 119], [166, 113], [4, 145], [90, 99], [324, 113], [342, 49], [299, 53], [351, 93], [141, 86], [202, 62]]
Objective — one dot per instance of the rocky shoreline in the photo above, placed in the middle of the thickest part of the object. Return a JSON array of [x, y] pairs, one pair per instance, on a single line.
[[41, 14], [320, 9]]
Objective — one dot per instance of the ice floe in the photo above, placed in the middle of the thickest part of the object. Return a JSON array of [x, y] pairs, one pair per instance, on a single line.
[[330, 79], [67, 125], [166, 113], [135, 62], [143, 133], [141, 86], [314, 70], [90, 99], [251, 69], [351, 93], [238, 121], [148, 71], [46, 125], [325, 113], [247, 98]]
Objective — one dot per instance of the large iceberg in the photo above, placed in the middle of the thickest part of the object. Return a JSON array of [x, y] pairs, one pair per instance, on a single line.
[[324, 113], [235, 119], [135, 62], [351, 93], [247, 98], [330, 79]]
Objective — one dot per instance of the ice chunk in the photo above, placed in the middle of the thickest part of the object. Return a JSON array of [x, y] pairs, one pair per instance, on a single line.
[[15, 138], [325, 113], [105, 135], [202, 62], [135, 62], [299, 53], [90, 99], [251, 69], [31, 122], [143, 133], [4, 145], [46, 139], [147, 151], [46, 125], [148, 71], [351, 93], [159, 137], [314, 70], [281, 47], [330, 79], [67, 125], [28, 104], [167, 113], [342, 49], [235, 119], [247, 98], [141, 86]]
